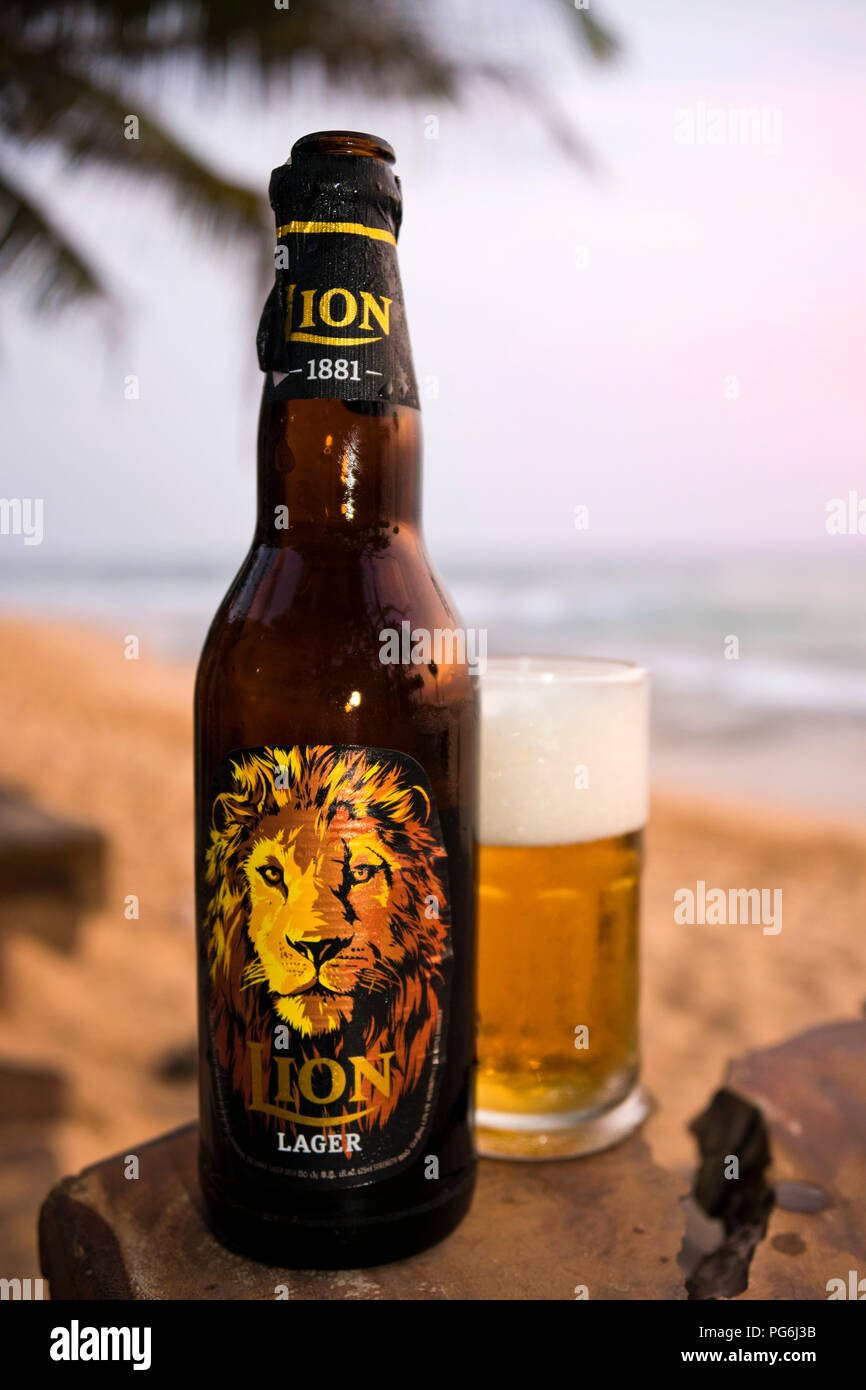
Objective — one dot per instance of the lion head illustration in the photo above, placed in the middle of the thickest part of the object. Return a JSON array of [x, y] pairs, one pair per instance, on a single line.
[[327, 913]]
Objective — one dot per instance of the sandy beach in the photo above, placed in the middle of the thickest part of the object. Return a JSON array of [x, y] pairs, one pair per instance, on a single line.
[[99, 739]]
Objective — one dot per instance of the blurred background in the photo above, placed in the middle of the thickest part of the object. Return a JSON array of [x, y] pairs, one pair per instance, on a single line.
[[632, 263]]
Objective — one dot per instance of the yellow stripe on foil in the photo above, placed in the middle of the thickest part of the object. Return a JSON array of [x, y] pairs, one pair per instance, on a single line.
[[355, 228], [319, 338]]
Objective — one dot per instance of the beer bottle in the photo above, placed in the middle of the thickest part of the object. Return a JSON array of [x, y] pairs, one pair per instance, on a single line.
[[335, 776]]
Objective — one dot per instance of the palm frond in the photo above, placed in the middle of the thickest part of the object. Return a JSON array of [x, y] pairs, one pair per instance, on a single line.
[[63, 67], [373, 40], [58, 271], [87, 121], [530, 90], [602, 44]]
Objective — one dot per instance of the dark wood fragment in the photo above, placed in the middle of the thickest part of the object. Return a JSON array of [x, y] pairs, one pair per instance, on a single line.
[[52, 871], [795, 1220]]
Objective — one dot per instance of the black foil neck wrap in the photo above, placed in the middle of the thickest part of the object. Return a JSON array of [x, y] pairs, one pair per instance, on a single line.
[[334, 324], [314, 187]]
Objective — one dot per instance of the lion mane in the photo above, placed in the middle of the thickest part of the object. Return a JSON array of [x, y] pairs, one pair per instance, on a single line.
[[334, 797]]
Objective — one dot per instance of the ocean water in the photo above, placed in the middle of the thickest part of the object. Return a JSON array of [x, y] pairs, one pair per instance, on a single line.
[[758, 664]]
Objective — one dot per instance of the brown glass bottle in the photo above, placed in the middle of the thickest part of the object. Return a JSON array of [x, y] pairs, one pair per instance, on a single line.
[[335, 778]]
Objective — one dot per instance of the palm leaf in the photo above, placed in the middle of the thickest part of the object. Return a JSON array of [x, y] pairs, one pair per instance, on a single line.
[[602, 44], [63, 69], [59, 272], [365, 40], [86, 120]]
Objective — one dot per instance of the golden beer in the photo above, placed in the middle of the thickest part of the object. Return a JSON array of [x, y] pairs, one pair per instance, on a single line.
[[563, 763]]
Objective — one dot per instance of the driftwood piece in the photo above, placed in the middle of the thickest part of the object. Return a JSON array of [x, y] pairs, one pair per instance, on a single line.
[[787, 1223], [51, 872], [612, 1222], [33, 1095], [795, 1219], [41, 850]]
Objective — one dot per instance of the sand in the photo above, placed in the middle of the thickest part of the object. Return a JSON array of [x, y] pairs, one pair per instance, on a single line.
[[104, 740]]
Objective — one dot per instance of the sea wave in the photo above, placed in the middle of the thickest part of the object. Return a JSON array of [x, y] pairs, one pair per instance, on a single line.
[[722, 640]]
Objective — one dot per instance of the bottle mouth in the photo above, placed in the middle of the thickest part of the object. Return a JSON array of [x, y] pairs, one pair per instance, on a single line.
[[343, 142]]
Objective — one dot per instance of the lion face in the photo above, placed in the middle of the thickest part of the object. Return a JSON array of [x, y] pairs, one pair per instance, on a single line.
[[328, 913], [322, 900]]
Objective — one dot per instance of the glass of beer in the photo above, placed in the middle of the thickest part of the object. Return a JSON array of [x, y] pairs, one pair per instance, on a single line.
[[564, 791]]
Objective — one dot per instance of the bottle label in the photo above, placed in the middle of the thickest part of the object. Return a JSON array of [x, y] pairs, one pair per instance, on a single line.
[[328, 942], [334, 325]]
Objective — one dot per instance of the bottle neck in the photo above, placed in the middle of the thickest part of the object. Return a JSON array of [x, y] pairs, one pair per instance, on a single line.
[[346, 468], [340, 431]]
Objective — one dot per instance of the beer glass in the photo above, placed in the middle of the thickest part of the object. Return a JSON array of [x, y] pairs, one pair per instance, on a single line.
[[564, 790]]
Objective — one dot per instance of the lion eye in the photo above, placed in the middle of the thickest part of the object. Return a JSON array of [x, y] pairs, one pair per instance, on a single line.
[[272, 875], [362, 873]]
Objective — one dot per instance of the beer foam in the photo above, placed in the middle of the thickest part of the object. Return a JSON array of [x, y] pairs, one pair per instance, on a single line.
[[564, 750]]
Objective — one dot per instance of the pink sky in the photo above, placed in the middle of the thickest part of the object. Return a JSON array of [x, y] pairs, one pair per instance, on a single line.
[[559, 383]]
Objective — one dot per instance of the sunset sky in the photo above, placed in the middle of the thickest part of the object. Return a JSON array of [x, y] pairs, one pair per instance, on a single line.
[[584, 328]]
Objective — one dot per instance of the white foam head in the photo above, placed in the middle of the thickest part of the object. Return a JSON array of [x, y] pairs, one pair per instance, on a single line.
[[564, 750]]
